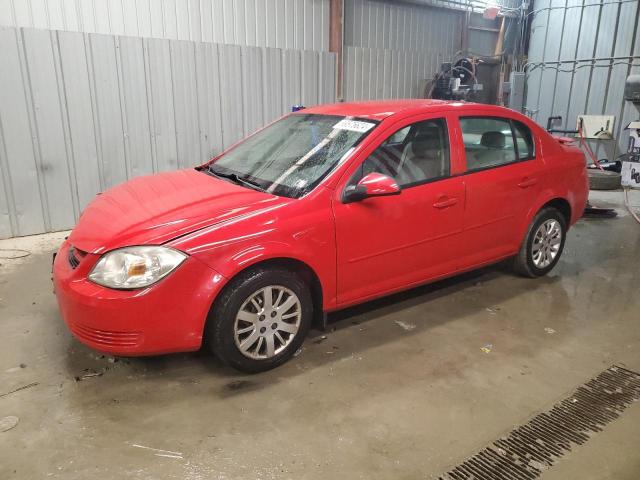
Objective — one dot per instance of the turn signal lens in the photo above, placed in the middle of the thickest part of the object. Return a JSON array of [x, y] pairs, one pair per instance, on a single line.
[[137, 269]]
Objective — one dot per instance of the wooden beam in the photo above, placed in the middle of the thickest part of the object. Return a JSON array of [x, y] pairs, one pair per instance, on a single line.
[[500, 40], [465, 19], [498, 51], [484, 29], [336, 40]]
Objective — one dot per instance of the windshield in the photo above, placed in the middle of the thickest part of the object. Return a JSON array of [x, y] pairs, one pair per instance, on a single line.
[[291, 156]]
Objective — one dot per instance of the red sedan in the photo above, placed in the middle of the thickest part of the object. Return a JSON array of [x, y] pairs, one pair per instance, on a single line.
[[324, 208]]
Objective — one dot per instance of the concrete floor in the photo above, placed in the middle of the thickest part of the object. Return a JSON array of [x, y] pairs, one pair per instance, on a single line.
[[401, 388]]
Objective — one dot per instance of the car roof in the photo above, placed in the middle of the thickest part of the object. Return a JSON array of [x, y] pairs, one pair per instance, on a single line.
[[381, 109]]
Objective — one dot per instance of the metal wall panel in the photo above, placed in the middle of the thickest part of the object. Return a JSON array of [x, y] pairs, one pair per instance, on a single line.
[[272, 84], [291, 78], [74, 52], [252, 75], [580, 55], [135, 119], [210, 111], [385, 74], [327, 77], [43, 73], [401, 26], [294, 24], [391, 47], [160, 105], [23, 206], [81, 112], [310, 70]]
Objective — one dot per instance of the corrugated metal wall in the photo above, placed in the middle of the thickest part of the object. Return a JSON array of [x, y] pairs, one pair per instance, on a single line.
[[82, 112], [400, 26], [293, 24], [571, 71], [391, 47]]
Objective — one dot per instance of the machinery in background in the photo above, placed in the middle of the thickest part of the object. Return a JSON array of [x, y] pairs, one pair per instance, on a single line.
[[471, 79], [456, 81], [596, 127], [605, 174], [602, 176], [632, 89], [631, 164]]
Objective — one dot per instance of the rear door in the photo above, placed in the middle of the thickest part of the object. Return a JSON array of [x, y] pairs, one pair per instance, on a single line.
[[389, 243], [502, 180]]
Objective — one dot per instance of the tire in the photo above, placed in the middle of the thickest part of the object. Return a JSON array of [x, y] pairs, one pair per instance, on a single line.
[[528, 264], [248, 335], [603, 180]]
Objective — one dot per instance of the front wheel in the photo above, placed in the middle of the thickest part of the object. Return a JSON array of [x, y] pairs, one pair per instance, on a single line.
[[260, 319], [542, 245]]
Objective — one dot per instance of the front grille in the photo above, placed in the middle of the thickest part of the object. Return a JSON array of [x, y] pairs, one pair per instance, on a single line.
[[106, 337], [531, 449], [75, 256]]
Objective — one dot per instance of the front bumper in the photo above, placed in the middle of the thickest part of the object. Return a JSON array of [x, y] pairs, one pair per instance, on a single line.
[[166, 317]]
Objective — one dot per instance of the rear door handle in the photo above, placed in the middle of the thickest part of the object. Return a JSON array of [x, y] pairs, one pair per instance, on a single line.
[[527, 182], [444, 202]]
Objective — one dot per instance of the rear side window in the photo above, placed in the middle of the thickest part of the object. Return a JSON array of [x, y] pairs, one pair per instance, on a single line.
[[524, 140], [488, 142]]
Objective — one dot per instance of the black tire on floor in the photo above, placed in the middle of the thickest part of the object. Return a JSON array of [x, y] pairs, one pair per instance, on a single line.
[[220, 333], [523, 263], [603, 180]]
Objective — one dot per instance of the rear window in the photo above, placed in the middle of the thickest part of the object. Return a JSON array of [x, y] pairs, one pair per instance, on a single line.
[[488, 142], [494, 141]]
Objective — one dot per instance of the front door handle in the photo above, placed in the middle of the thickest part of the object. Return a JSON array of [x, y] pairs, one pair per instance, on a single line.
[[527, 182], [444, 202]]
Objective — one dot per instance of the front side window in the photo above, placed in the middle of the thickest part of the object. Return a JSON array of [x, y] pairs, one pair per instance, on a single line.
[[412, 155], [488, 142], [291, 156]]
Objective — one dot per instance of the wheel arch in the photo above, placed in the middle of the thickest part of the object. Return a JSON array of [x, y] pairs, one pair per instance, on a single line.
[[562, 205], [547, 199], [291, 264]]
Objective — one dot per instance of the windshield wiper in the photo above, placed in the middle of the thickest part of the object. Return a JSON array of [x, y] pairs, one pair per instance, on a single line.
[[238, 179]]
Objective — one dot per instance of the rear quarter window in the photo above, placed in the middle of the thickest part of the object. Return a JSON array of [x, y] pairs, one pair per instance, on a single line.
[[524, 140]]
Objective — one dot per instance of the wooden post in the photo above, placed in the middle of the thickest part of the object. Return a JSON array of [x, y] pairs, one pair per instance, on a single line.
[[500, 40], [464, 41], [498, 51], [336, 40]]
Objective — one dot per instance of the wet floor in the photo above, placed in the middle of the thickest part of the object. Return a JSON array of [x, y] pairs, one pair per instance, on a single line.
[[404, 387]]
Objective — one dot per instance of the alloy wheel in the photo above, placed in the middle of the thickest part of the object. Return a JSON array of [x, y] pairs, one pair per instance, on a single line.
[[546, 243], [267, 322]]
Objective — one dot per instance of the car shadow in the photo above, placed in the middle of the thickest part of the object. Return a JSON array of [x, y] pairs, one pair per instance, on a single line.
[[360, 328], [386, 320]]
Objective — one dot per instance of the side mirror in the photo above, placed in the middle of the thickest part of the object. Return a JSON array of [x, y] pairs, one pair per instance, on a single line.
[[371, 185]]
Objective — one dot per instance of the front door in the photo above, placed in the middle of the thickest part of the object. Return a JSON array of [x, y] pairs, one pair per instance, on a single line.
[[389, 243]]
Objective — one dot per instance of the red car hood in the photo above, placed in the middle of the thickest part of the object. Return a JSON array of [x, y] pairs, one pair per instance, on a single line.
[[158, 208]]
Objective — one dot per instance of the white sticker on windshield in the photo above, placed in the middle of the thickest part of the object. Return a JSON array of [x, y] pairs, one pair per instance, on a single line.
[[354, 125]]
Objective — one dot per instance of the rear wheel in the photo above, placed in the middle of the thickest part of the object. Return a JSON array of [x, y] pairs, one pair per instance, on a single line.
[[260, 319], [542, 245]]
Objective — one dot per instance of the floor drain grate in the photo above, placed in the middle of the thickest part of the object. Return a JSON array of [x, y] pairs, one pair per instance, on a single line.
[[532, 448]]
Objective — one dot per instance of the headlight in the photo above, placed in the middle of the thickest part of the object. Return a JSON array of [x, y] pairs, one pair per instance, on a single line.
[[135, 267]]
